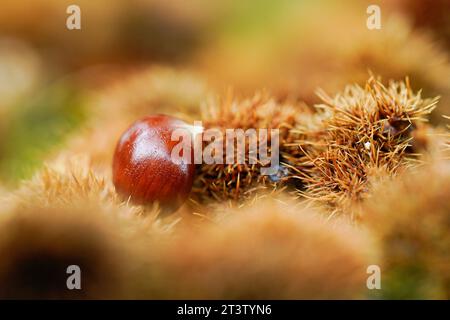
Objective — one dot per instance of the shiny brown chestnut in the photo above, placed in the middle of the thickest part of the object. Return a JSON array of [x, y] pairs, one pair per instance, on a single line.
[[143, 168]]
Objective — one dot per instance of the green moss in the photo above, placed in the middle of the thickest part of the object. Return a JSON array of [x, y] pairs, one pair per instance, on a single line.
[[36, 127], [410, 282]]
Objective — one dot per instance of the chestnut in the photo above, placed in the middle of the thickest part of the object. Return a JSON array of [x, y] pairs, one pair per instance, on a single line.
[[143, 169]]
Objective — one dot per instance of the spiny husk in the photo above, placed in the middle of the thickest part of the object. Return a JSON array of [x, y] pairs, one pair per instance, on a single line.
[[429, 16], [270, 250], [38, 243], [364, 130], [71, 181], [71, 216], [223, 182], [150, 90], [410, 218], [411, 52], [447, 140], [340, 51], [68, 214]]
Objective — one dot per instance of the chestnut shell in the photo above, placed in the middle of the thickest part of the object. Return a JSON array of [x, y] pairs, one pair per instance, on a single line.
[[142, 166]]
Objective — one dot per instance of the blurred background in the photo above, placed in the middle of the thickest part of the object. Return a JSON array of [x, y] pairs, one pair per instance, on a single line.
[[51, 77]]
